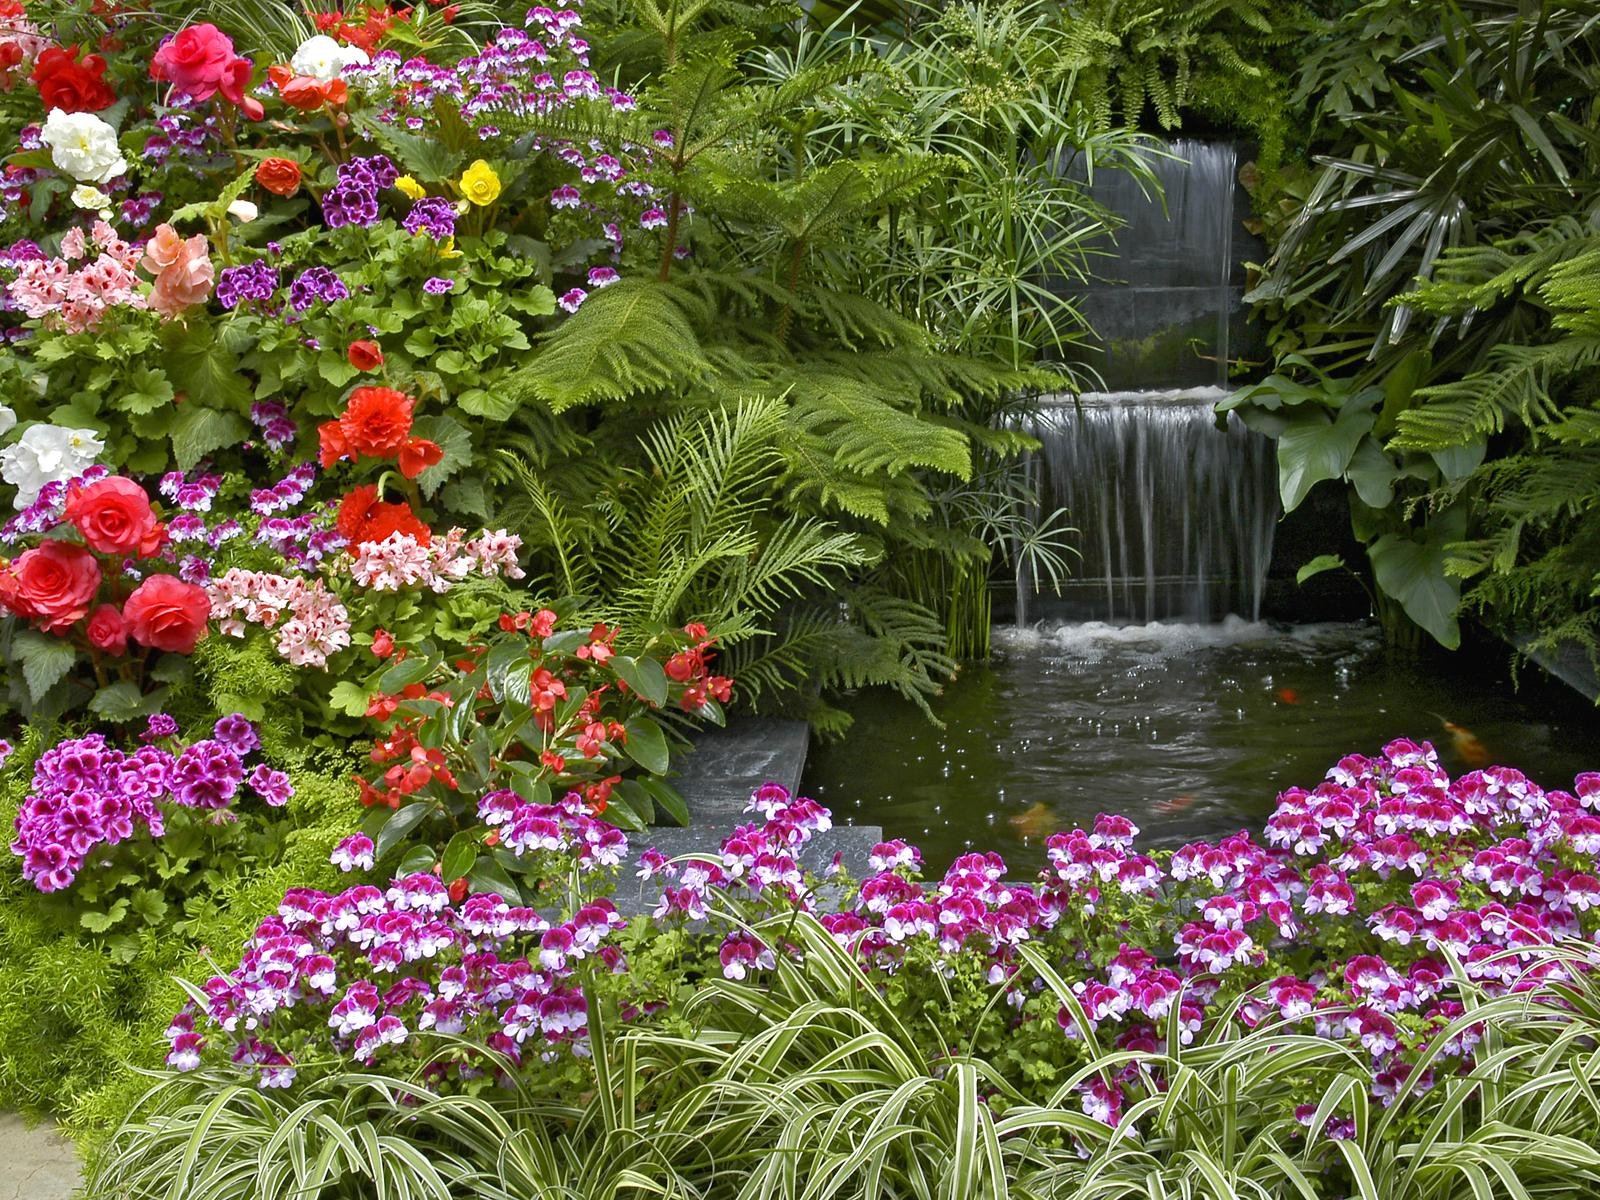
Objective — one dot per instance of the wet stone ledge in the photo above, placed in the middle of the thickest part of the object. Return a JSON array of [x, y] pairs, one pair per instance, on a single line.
[[716, 780]]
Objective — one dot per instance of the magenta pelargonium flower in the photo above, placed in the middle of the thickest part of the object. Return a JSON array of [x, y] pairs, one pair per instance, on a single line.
[[88, 795]]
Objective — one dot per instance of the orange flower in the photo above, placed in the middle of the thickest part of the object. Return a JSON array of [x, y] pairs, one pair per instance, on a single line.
[[280, 176]]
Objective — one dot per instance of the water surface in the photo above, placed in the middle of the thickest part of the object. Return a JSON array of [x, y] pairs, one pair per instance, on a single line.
[[1191, 730]]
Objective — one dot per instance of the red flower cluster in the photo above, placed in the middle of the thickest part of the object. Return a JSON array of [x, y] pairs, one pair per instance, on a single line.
[[377, 424], [691, 668], [55, 584], [412, 766], [70, 85], [199, 62], [374, 25], [364, 517], [115, 516], [540, 624]]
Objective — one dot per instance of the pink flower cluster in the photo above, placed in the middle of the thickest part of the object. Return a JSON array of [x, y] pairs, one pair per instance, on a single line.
[[78, 297], [363, 971], [401, 561], [87, 794], [564, 827], [756, 859], [317, 624]]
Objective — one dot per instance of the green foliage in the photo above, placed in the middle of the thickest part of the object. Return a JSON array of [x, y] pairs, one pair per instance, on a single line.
[[819, 1087], [1444, 258], [82, 1009]]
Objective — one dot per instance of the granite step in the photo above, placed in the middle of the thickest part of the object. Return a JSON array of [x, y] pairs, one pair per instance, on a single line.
[[716, 779]]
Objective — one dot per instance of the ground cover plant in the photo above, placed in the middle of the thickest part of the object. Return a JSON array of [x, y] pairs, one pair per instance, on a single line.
[[1390, 993]]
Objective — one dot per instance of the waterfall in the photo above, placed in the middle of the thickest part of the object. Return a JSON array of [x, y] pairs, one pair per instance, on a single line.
[[1176, 516]]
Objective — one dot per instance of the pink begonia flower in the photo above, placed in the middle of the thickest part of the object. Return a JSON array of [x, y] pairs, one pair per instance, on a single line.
[[199, 62], [182, 267]]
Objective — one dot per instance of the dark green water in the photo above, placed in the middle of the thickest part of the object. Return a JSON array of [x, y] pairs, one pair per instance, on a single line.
[[1190, 730]]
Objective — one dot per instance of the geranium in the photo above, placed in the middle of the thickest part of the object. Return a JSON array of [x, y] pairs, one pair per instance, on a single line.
[[83, 146], [311, 622], [87, 795], [72, 86]]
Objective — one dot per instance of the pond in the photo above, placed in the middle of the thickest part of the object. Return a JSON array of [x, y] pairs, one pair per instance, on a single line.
[[1190, 730]]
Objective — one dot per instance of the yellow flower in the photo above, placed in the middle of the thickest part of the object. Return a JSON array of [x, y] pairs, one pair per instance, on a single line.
[[479, 184], [447, 248], [411, 187]]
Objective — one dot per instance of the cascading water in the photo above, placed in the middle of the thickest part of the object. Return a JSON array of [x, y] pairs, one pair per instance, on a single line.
[[1175, 514]]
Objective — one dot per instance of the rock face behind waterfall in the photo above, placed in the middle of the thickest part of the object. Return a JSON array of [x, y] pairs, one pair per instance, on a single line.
[[1167, 306]]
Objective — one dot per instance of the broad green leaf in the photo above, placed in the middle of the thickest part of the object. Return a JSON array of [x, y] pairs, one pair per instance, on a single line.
[[645, 676], [668, 800], [198, 430], [489, 876], [504, 658], [122, 701], [404, 673], [348, 698], [1313, 448], [1319, 564], [1413, 573], [1458, 462], [647, 745], [45, 660], [459, 856], [402, 822], [1373, 473]]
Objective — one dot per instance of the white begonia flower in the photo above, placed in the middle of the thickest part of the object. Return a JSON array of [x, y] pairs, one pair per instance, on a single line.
[[8, 420], [243, 210], [86, 195], [47, 454], [324, 60], [83, 146]]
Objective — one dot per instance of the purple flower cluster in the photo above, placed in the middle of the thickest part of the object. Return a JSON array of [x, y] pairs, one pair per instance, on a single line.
[[363, 971], [314, 284], [272, 418], [137, 210], [299, 540], [253, 282], [287, 493], [48, 508], [180, 134], [353, 198], [561, 828], [432, 215], [192, 495], [86, 793]]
